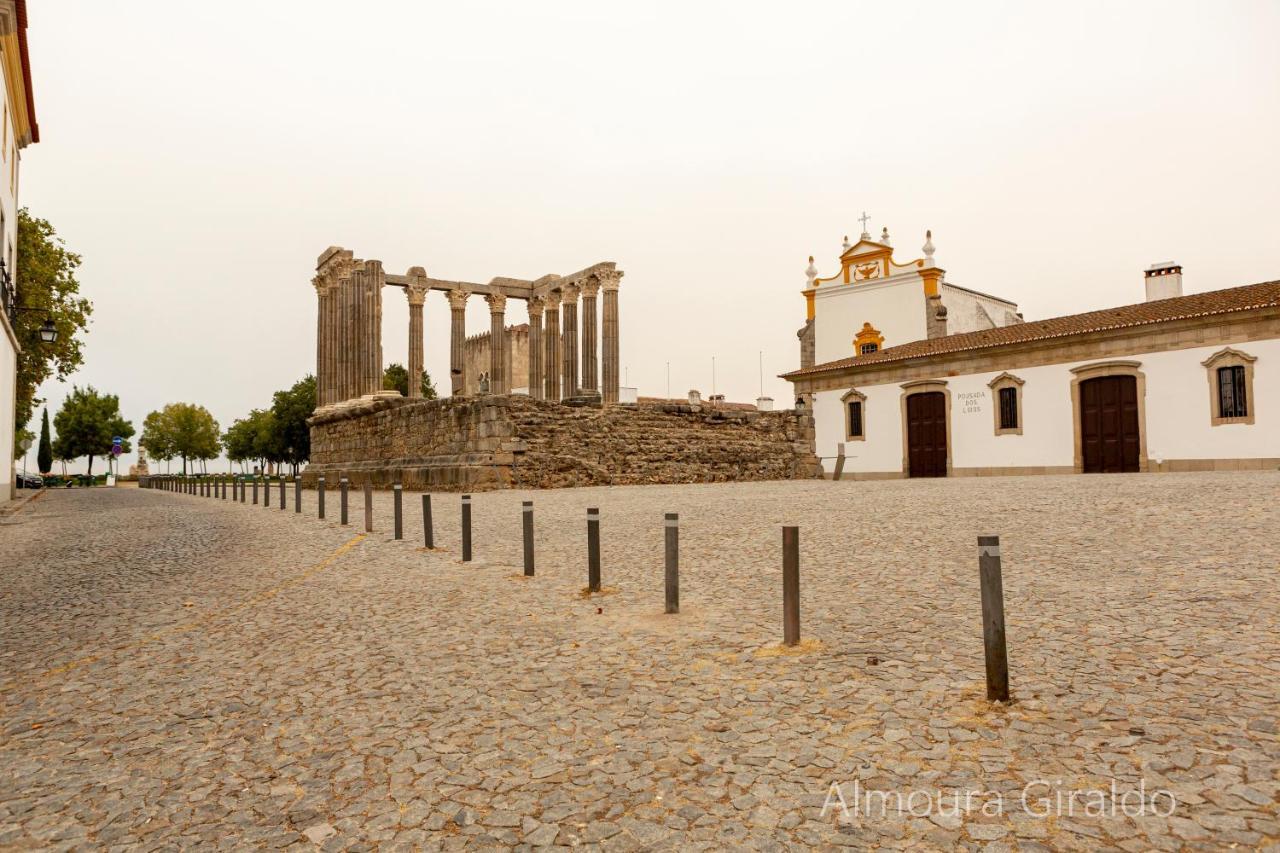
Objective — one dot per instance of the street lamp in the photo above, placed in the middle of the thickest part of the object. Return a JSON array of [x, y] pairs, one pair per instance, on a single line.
[[48, 331]]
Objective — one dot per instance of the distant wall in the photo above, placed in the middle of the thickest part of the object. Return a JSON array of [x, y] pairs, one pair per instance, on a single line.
[[518, 442]]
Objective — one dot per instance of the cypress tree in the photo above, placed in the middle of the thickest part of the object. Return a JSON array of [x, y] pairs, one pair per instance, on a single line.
[[44, 458]]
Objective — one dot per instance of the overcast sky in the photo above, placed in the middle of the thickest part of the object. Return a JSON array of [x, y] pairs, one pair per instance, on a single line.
[[201, 155]]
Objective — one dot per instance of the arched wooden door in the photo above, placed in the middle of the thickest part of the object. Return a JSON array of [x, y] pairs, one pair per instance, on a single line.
[[1110, 441], [927, 434]]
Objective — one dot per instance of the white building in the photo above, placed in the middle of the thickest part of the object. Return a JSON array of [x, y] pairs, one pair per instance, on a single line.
[[916, 377], [18, 130]]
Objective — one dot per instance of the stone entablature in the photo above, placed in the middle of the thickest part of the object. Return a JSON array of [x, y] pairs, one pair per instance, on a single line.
[[499, 442]]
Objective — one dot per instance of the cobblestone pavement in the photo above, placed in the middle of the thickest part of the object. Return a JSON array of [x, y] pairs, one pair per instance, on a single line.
[[179, 671]]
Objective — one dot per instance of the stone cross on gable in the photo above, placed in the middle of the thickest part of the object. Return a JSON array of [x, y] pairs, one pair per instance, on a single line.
[[863, 219]]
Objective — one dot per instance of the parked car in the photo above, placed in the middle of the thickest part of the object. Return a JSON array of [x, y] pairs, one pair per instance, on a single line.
[[30, 481]]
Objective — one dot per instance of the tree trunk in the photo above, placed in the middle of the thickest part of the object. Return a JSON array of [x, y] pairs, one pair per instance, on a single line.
[[90, 464]]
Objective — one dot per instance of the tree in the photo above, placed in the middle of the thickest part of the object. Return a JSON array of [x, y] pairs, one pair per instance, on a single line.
[[396, 378], [45, 280], [253, 437], [290, 410], [183, 430], [87, 422], [44, 458]]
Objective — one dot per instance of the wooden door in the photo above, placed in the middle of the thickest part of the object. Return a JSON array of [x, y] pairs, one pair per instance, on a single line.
[[1109, 438], [927, 434]]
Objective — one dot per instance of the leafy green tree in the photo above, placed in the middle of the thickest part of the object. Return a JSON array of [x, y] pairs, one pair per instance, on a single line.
[[46, 280], [181, 430], [290, 410], [254, 438], [396, 378], [87, 422], [44, 458]]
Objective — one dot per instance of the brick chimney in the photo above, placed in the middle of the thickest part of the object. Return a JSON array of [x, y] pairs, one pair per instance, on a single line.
[[1164, 281]]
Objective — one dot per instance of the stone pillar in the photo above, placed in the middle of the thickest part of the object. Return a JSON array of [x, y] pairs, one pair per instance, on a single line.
[[569, 376], [416, 292], [590, 369], [332, 282], [457, 341], [536, 389], [498, 383], [368, 280], [609, 282], [551, 353]]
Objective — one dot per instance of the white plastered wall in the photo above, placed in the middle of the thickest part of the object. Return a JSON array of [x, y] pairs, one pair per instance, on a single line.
[[894, 307], [1178, 416]]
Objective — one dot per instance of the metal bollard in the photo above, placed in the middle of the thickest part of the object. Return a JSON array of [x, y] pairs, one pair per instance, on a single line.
[[993, 640], [297, 494], [282, 491], [673, 562], [466, 528], [342, 488], [368, 507], [320, 497], [398, 522], [527, 512], [428, 535], [255, 491], [791, 585], [593, 549]]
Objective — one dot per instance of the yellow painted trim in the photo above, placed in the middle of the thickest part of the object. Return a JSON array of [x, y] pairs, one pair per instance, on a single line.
[[808, 306], [12, 57]]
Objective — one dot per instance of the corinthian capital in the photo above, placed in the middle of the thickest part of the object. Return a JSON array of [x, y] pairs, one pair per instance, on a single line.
[[334, 264], [497, 303], [458, 299], [590, 287], [609, 279], [553, 300], [570, 292], [536, 305], [416, 285]]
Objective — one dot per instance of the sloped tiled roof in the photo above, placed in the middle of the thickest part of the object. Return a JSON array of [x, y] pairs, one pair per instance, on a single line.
[[1247, 298]]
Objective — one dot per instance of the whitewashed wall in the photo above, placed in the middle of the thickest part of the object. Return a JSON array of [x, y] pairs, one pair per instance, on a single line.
[[894, 308], [8, 379], [1178, 424], [963, 315]]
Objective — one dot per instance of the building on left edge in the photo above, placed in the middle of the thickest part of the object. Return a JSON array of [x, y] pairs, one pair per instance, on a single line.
[[18, 129]]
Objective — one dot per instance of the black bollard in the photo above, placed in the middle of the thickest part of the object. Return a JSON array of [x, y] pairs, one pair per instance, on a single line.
[[466, 528], [255, 491], [791, 585], [593, 549], [297, 494], [673, 562], [342, 488], [428, 535], [993, 639], [281, 491], [368, 507], [320, 497], [527, 512], [399, 519]]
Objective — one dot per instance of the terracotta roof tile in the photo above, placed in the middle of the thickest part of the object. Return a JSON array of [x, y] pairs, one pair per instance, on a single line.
[[1249, 297]]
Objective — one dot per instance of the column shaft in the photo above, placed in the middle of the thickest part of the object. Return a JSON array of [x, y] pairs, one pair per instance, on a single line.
[[415, 349], [457, 341], [590, 371], [551, 352], [570, 345], [497, 344], [536, 389], [610, 339]]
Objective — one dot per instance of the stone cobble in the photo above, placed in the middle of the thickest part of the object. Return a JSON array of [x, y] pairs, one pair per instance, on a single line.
[[176, 671]]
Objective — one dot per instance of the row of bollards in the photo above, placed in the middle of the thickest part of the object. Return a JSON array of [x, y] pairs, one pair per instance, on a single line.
[[989, 565]]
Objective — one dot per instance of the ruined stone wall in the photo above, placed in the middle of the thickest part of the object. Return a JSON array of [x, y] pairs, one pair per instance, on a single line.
[[518, 442], [476, 358]]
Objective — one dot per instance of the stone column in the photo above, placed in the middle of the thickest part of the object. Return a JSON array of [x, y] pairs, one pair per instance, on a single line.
[[609, 282], [457, 341], [536, 389], [416, 292], [332, 282], [498, 344], [368, 278], [570, 311], [551, 353], [590, 371]]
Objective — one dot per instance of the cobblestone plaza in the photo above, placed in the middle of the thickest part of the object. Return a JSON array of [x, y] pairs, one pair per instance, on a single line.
[[181, 671]]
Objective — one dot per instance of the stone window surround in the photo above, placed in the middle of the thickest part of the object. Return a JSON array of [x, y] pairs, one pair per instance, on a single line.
[[854, 395], [1114, 367], [921, 386], [1006, 380], [1228, 357]]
